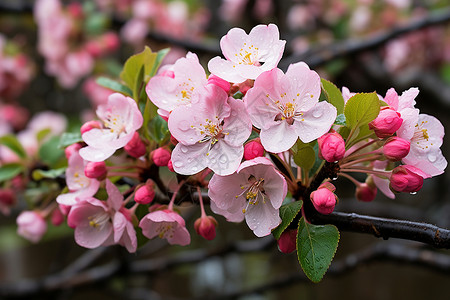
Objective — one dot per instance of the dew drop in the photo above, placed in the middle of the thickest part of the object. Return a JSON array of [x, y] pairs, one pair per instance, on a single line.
[[183, 125], [234, 113], [432, 158], [189, 160], [223, 159], [178, 164], [317, 113], [413, 193], [194, 169], [334, 178], [184, 149]]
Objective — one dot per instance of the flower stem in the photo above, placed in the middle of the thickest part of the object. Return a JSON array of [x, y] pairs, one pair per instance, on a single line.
[[172, 200]]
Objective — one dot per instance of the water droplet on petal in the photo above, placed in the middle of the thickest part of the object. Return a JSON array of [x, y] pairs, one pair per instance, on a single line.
[[334, 178], [223, 159], [413, 193], [194, 169], [183, 125], [234, 113], [317, 113], [184, 149], [432, 157], [178, 164]]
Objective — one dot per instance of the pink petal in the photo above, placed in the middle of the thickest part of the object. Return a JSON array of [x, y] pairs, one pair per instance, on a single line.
[[96, 154], [189, 159], [115, 197], [224, 189], [279, 137], [317, 122], [119, 224], [238, 125], [305, 83], [262, 218], [91, 237]]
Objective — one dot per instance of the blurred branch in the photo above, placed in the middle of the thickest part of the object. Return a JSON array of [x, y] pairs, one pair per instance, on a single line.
[[392, 252], [318, 56]]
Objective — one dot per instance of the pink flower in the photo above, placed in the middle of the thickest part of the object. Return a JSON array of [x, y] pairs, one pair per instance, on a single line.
[[205, 226], [254, 192], [31, 225], [324, 199], [210, 134], [100, 223], [168, 92], [396, 148], [166, 224], [253, 149], [160, 156], [80, 186], [145, 194], [406, 178], [96, 170], [387, 122], [121, 118], [247, 56], [331, 147], [287, 242], [136, 147], [286, 107]]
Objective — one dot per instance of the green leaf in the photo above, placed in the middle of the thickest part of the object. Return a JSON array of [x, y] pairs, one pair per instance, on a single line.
[[69, 138], [131, 70], [114, 85], [333, 95], [316, 246], [340, 120], [157, 129], [9, 171], [51, 174], [50, 152], [13, 143], [238, 95], [42, 134], [304, 155], [159, 57], [361, 109], [288, 212]]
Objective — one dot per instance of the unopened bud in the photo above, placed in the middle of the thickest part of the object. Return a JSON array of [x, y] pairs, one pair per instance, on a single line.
[[396, 148], [253, 149], [216, 80], [31, 225], [366, 191], [324, 199], [206, 227], [287, 242], [90, 125], [135, 146], [71, 149], [387, 122], [161, 156], [331, 147], [96, 170], [406, 178], [57, 217], [145, 194]]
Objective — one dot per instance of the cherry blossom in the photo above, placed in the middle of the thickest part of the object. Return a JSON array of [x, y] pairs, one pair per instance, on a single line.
[[286, 107], [31, 225], [121, 118], [210, 134], [247, 56], [254, 192], [166, 224]]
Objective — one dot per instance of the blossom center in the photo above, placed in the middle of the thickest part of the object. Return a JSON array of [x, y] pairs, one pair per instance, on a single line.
[[99, 220], [248, 55], [252, 190], [421, 137], [81, 181], [165, 230], [186, 91], [211, 130], [115, 124]]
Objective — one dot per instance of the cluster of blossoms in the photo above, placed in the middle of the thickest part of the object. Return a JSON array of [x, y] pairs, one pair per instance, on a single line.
[[239, 133], [70, 41]]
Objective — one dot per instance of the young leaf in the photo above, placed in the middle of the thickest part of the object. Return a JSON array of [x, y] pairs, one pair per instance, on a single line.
[[157, 129], [304, 155], [52, 174], [69, 138], [340, 120], [287, 214], [316, 246], [114, 85], [361, 109], [131, 69], [160, 56], [9, 171], [333, 95], [49, 152], [12, 143]]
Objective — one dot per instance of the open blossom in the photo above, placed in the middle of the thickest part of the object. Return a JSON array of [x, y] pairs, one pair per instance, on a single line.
[[121, 118], [255, 192], [104, 223], [247, 56], [166, 224], [172, 89], [286, 107], [80, 186], [210, 133]]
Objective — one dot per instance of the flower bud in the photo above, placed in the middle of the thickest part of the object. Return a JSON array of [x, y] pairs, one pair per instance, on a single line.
[[90, 125], [135, 146], [31, 225], [71, 149], [216, 80], [331, 147], [145, 194], [206, 227], [324, 199], [57, 217], [161, 156], [396, 148], [253, 149], [96, 170], [287, 242], [366, 191], [170, 166], [406, 178], [387, 122], [7, 200], [111, 41]]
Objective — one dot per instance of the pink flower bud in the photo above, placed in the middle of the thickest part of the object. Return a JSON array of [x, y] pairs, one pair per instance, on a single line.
[[90, 125], [145, 194], [287, 242], [7, 197], [216, 80], [135, 146], [366, 192], [111, 41], [93, 48], [71, 149], [331, 147], [161, 156], [253, 149], [31, 225], [206, 227], [57, 217], [170, 166], [387, 122], [75, 10], [324, 199], [396, 148], [406, 178], [96, 170]]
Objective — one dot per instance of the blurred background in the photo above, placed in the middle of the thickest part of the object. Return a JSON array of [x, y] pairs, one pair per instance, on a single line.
[[51, 53]]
